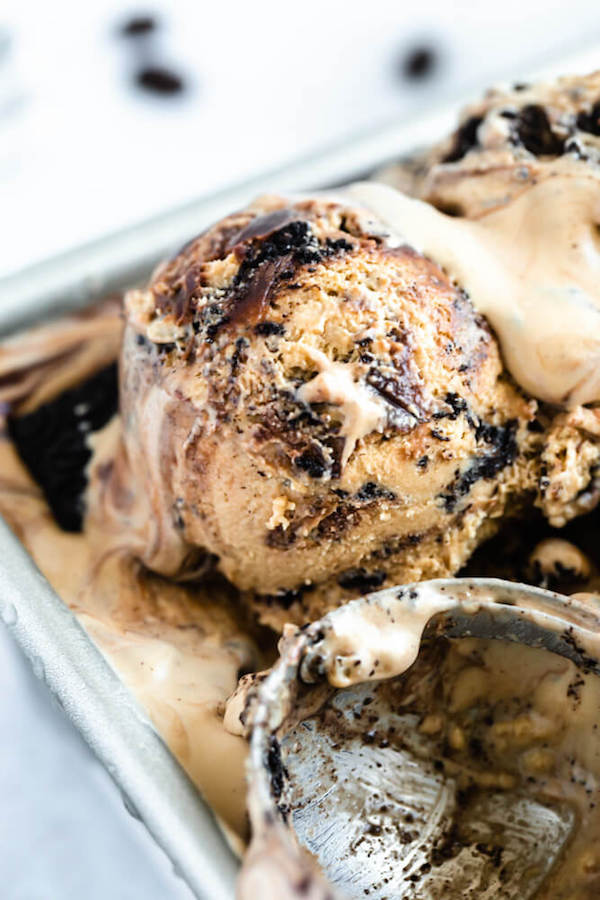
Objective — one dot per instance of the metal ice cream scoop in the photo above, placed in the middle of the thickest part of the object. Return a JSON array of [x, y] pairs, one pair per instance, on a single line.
[[368, 775]]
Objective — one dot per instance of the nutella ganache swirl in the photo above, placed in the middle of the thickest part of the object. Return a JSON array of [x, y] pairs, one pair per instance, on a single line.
[[317, 408]]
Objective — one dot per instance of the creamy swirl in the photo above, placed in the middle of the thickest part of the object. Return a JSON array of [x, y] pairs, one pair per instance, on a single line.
[[530, 267]]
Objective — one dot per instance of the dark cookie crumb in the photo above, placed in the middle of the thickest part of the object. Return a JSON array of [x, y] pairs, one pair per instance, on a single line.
[[457, 406], [361, 580], [312, 462], [373, 491], [286, 598], [502, 441], [266, 329]]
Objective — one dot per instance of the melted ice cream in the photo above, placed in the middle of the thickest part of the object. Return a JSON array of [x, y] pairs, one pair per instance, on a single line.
[[532, 268]]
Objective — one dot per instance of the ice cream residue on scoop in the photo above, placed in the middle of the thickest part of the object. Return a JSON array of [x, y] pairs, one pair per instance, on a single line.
[[377, 638]]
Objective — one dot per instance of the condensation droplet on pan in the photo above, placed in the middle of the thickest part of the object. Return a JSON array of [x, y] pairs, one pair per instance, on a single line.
[[178, 871], [130, 806], [112, 769], [57, 702], [9, 614], [38, 667]]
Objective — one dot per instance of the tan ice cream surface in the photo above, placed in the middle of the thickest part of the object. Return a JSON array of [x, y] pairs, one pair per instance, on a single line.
[[317, 407], [506, 143]]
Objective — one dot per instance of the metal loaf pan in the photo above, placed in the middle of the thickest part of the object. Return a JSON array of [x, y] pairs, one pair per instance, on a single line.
[[154, 786]]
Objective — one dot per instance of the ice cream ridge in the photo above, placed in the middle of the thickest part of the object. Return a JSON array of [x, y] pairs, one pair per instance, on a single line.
[[325, 395]]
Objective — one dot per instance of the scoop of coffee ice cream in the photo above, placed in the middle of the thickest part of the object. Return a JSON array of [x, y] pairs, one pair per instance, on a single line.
[[317, 407], [510, 141]]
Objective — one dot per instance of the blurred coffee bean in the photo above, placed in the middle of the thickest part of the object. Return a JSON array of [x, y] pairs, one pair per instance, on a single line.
[[159, 80], [139, 25], [419, 62]]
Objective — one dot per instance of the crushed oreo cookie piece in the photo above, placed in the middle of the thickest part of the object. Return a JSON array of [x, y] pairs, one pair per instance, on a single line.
[[313, 462], [503, 444], [276, 767], [590, 121], [52, 442], [465, 139], [266, 329], [361, 580], [373, 491], [535, 132], [457, 406]]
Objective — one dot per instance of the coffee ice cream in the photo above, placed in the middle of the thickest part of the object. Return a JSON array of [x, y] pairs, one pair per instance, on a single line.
[[315, 406], [514, 138], [317, 397], [318, 408]]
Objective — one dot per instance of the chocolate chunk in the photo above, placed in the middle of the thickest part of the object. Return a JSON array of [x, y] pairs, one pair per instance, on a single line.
[[535, 132]]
